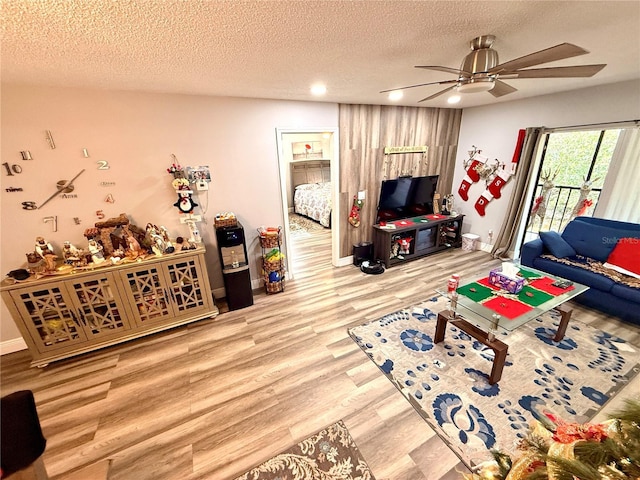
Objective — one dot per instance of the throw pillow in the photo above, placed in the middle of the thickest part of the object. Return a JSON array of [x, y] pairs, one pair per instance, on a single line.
[[557, 245], [626, 255]]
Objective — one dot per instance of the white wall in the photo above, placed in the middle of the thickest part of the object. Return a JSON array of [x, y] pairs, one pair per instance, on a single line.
[[494, 130], [137, 133]]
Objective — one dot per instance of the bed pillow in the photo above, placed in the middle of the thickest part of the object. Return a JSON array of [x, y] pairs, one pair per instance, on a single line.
[[307, 186], [557, 245], [625, 257]]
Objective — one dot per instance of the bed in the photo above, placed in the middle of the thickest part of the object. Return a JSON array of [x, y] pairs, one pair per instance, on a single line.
[[312, 190], [313, 200]]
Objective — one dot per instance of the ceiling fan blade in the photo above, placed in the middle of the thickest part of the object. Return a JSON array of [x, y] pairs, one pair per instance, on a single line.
[[500, 88], [419, 85], [455, 71], [437, 94], [556, 72], [559, 52]]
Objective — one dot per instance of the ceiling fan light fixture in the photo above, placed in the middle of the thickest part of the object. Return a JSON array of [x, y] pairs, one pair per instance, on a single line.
[[453, 99], [474, 85], [395, 95], [318, 89]]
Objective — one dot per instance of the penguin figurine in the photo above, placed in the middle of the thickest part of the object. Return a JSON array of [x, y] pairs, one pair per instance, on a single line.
[[185, 203]]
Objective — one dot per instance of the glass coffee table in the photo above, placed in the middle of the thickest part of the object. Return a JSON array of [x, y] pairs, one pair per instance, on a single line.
[[482, 309]]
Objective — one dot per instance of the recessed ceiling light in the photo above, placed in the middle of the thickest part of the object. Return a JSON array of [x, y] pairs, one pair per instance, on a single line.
[[454, 98], [395, 95], [318, 89]]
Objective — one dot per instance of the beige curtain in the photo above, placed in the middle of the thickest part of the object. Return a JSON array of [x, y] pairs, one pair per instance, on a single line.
[[364, 132], [622, 185], [518, 203]]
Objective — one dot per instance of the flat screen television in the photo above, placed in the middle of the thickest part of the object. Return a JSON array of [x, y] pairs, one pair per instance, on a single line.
[[406, 197]]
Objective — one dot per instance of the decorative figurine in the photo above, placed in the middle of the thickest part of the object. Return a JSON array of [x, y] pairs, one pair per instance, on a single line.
[[45, 251], [169, 248], [158, 245], [447, 207], [185, 203], [117, 255], [35, 263], [70, 254], [185, 244], [404, 245], [95, 249], [195, 233], [133, 250]]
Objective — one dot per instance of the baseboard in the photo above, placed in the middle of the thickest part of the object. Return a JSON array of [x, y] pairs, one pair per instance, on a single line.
[[13, 345], [485, 247], [219, 292], [344, 261]]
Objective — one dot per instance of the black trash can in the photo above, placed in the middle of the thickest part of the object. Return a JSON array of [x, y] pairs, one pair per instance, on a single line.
[[362, 251]]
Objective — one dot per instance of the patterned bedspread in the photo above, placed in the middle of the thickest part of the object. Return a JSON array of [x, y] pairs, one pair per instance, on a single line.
[[314, 201]]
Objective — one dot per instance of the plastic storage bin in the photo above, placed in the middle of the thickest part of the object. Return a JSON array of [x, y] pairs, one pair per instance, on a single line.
[[469, 241]]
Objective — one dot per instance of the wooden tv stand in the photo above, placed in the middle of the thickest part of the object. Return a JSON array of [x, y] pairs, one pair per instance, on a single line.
[[422, 235]]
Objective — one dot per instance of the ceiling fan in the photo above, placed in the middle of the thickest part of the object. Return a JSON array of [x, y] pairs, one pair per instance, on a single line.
[[481, 72]]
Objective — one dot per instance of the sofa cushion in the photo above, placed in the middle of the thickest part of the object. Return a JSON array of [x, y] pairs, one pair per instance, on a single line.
[[557, 245], [626, 292], [594, 241], [575, 274], [626, 256]]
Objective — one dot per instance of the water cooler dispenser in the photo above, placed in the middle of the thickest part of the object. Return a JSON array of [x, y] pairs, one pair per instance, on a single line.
[[235, 266]]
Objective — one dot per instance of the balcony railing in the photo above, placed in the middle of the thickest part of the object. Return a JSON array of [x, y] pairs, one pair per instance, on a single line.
[[560, 204]]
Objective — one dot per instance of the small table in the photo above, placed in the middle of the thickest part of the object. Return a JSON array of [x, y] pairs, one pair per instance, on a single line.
[[480, 310]]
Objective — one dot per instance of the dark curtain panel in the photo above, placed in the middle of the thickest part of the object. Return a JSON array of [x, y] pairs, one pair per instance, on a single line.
[[518, 204]]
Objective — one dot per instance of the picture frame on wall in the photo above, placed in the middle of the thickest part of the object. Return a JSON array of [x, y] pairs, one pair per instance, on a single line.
[[198, 174], [306, 150]]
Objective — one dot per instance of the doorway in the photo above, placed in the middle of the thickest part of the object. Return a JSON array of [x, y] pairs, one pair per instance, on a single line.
[[308, 147]]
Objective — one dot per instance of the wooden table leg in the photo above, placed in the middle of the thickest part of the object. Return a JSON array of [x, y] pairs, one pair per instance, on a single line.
[[441, 325], [500, 355], [565, 316], [499, 348]]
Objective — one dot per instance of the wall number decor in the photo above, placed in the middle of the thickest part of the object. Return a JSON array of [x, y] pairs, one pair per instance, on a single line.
[[49, 137], [12, 169]]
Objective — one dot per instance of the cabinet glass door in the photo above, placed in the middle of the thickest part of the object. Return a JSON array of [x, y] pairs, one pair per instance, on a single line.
[[50, 316], [185, 284], [100, 309], [148, 295]]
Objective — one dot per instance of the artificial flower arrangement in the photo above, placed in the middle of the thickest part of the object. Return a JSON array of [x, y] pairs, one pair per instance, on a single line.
[[557, 450], [176, 170]]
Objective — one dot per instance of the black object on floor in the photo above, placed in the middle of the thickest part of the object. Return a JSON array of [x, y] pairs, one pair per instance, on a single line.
[[22, 441], [362, 251], [372, 268]]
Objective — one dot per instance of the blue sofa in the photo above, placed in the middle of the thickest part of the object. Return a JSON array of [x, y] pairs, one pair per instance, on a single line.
[[592, 240]]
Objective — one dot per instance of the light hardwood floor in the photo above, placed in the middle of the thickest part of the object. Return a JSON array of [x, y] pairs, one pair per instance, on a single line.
[[213, 399]]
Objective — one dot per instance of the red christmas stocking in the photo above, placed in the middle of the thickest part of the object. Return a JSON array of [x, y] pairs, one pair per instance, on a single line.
[[497, 183], [354, 216], [482, 202], [472, 176]]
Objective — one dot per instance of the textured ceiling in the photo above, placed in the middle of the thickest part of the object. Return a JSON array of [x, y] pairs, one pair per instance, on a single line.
[[277, 49]]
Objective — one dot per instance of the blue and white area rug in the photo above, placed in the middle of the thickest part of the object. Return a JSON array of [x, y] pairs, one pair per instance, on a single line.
[[448, 383]]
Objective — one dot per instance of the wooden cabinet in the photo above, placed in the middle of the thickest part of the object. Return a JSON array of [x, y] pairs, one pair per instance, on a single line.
[[66, 315], [416, 237]]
